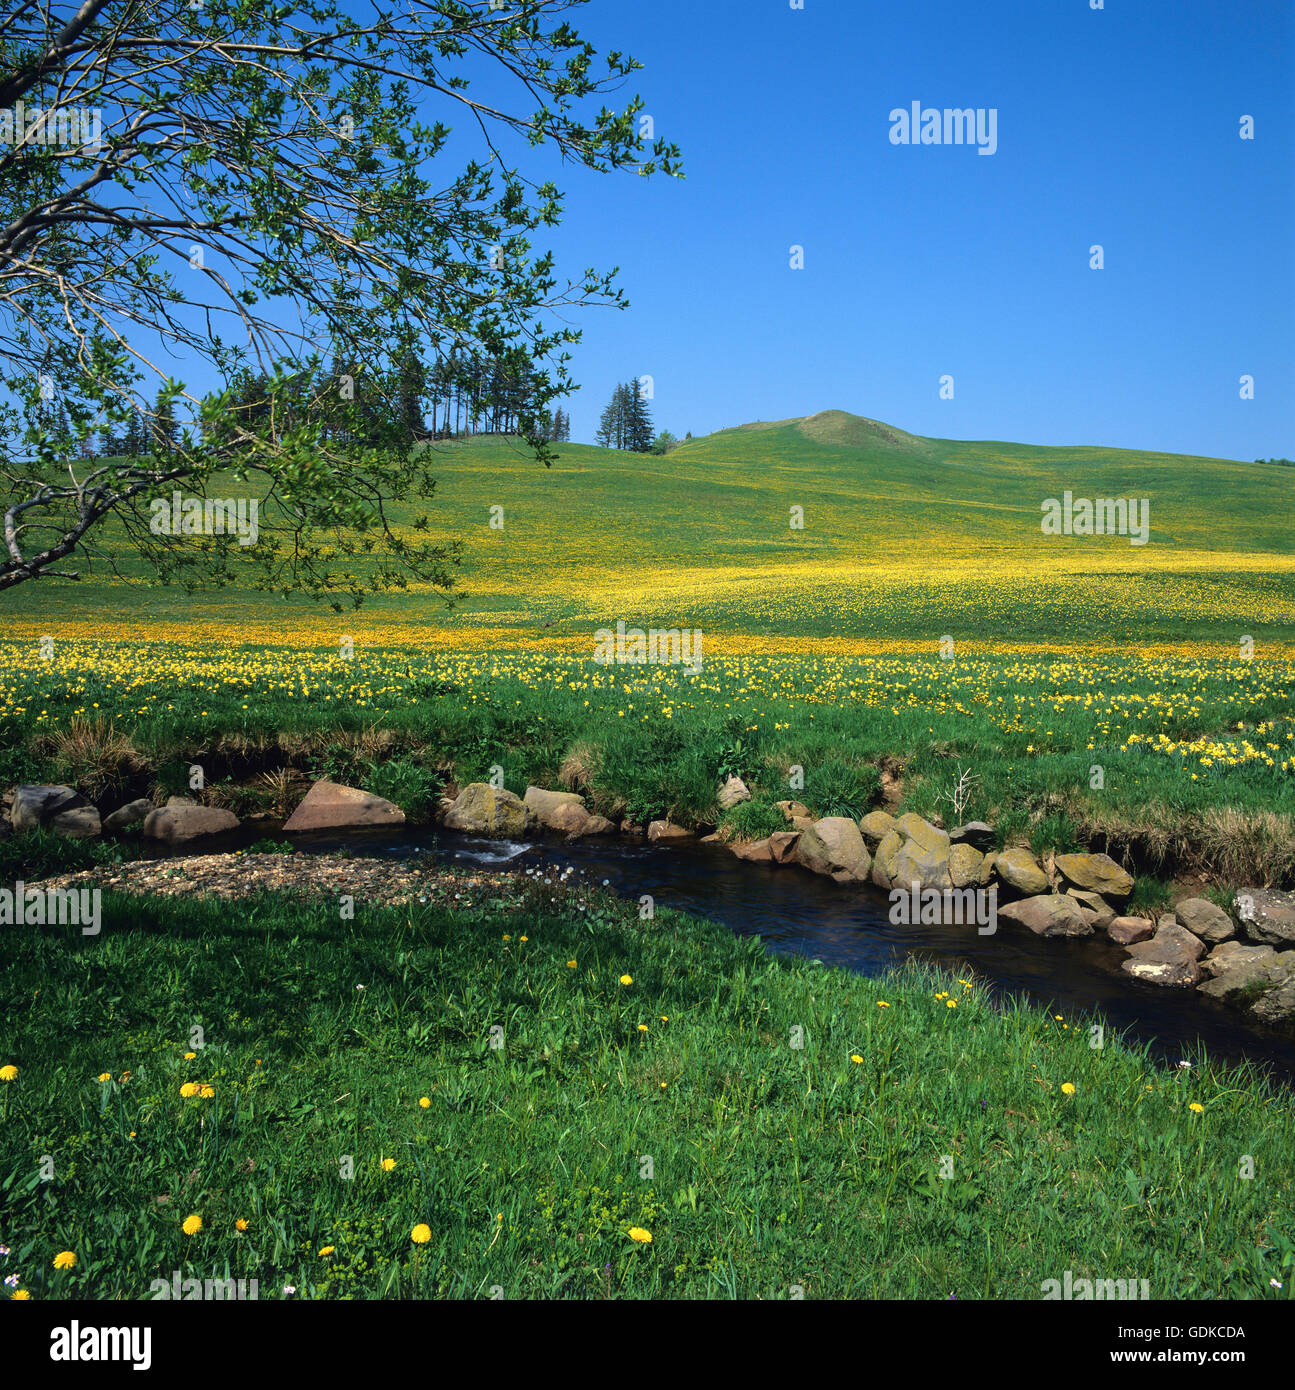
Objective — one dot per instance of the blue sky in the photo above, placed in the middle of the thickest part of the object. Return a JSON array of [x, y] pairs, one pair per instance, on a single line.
[[1117, 127]]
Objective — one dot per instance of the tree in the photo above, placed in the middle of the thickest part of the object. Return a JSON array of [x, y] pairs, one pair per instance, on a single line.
[[638, 419], [257, 182], [664, 442]]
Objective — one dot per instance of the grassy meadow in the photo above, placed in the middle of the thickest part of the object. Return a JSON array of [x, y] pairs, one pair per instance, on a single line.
[[649, 1083]]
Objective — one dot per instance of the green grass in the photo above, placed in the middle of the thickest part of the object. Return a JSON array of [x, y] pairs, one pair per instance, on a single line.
[[773, 1166]]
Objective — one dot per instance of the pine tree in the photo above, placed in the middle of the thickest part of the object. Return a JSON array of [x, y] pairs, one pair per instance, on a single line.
[[135, 441], [165, 431], [638, 420]]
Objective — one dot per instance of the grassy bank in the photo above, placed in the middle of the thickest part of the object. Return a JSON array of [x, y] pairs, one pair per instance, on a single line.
[[1188, 763], [648, 1078]]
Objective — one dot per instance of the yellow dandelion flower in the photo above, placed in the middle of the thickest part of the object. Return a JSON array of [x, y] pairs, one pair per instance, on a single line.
[[388, 1164], [643, 1027], [881, 1004], [65, 1259], [192, 1224], [206, 1093], [189, 1056], [421, 1234], [1067, 1089], [9, 1073], [1197, 1107], [190, 1088], [241, 1224], [327, 1249], [21, 1295], [639, 1235], [424, 1101], [105, 1076], [571, 965], [627, 979]]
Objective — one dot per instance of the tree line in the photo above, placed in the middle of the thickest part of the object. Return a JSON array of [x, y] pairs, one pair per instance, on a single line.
[[626, 423]]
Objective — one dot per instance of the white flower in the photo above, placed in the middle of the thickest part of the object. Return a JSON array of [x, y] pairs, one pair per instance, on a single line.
[[1276, 1283]]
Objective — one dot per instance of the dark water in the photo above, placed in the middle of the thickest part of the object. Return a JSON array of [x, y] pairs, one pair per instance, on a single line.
[[797, 912]]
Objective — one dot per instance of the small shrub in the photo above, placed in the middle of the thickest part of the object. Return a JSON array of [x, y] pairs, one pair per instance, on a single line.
[[415, 789], [752, 820]]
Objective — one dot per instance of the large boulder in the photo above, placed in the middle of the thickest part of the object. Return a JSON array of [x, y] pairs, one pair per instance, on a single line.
[[885, 858], [1019, 869], [331, 806], [1098, 873], [77, 823], [130, 814], [565, 812], [38, 805], [1170, 958], [1267, 916], [754, 851], [929, 838], [1048, 914], [181, 820], [1236, 955], [875, 826], [1205, 919], [965, 864], [733, 793], [480, 809], [834, 846], [1253, 977], [927, 867]]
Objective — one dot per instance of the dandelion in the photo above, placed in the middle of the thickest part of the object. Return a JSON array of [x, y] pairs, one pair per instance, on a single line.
[[627, 979], [105, 1076], [571, 965], [421, 1234], [639, 1235], [22, 1295], [881, 1004], [950, 1003], [1067, 1088], [65, 1259], [327, 1250], [523, 938], [241, 1224], [9, 1073], [643, 1027], [189, 1056], [424, 1101], [206, 1093], [192, 1224], [190, 1088], [388, 1164], [1197, 1107]]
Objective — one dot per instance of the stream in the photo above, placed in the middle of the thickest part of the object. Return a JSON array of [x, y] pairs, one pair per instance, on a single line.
[[800, 913]]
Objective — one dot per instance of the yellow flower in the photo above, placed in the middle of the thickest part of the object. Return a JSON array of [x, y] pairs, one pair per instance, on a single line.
[[854, 1057], [1067, 1089], [327, 1250], [643, 1027], [190, 1088], [663, 1085], [627, 979], [65, 1259], [421, 1234], [881, 1004], [241, 1224], [388, 1164], [507, 937], [1197, 1107], [523, 938], [9, 1073], [105, 1076], [192, 1225], [571, 965], [950, 1003], [424, 1101], [664, 1019], [206, 1093], [639, 1235], [21, 1295], [189, 1056]]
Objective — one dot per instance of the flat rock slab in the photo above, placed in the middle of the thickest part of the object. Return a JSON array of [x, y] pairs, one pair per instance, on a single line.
[[331, 806], [1128, 931], [1098, 873], [1049, 914], [181, 819]]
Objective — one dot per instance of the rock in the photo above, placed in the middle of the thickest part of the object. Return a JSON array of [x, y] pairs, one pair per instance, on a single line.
[[1233, 955], [1205, 919], [545, 804], [733, 793], [1267, 914], [988, 868], [782, 845], [834, 846], [481, 809], [1127, 931], [667, 830], [37, 805], [594, 825], [927, 868], [1094, 906], [1098, 873], [181, 820], [1019, 869], [1247, 975], [883, 862], [977, 833], [755, 851], [79, 823], [925, 835], [331, 806], [802, 822], [965, 863], [631, 827], [1169, 958], [875, 826], [130, 814], [794, 810], [1277, 1005], [1048, 914]]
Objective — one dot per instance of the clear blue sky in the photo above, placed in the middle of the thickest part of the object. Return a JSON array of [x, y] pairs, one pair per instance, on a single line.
[[1117, 127]]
